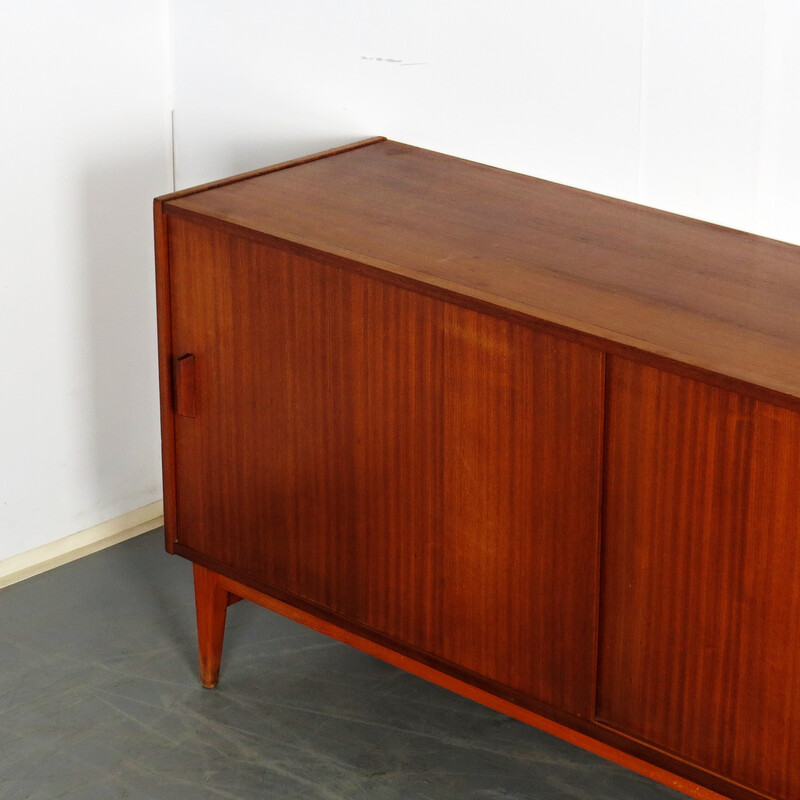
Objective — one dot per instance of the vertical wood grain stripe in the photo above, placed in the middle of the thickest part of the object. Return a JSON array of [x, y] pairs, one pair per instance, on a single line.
[[701, 594]]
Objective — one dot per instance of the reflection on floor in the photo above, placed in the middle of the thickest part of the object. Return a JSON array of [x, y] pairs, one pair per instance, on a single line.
[[99, 699]]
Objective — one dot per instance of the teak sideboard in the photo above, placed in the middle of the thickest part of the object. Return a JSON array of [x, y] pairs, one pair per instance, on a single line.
[[535, 444]]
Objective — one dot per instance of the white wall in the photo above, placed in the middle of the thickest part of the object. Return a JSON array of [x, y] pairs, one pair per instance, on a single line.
[[84, 134], [720, 114], [549, 88], [688, 105]]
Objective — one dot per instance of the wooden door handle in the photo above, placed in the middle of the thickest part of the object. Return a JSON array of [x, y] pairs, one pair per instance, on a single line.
[[186, 386]]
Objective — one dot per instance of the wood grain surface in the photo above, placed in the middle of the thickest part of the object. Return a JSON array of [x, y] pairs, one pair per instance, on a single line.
[[522, 422], [413, 466], [165, 372], [700, 652], [700, 294], [211, 606]]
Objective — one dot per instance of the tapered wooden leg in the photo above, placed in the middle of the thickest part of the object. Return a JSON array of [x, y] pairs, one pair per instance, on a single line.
[[211, 604]]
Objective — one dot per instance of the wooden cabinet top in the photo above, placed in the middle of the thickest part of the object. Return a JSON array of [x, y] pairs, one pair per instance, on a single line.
[[709, 297]]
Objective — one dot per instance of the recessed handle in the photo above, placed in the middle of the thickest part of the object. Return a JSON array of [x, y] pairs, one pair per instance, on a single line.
[[186, 386]]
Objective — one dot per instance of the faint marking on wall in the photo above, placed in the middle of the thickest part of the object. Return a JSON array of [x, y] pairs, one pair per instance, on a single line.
[[398, 61]]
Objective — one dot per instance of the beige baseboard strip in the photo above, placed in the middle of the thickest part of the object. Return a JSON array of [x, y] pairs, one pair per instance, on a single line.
[[83, 543]]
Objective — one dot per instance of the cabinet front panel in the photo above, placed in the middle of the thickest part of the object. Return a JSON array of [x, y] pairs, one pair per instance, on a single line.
[[521, 445], [413, 466], [700, 645]]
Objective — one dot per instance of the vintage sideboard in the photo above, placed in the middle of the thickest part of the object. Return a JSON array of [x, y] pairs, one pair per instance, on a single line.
[[535, 444]]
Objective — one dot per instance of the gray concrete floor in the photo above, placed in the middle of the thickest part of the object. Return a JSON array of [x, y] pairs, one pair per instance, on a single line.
[[99, 699]]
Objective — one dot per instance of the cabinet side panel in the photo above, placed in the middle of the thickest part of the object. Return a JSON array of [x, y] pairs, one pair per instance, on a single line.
[[164, 315], [700, 652]]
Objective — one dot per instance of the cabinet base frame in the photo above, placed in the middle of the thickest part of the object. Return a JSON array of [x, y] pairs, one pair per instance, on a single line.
[[214, 592]]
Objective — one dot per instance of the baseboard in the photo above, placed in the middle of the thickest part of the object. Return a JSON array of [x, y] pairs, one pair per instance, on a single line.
[[83, 543]]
